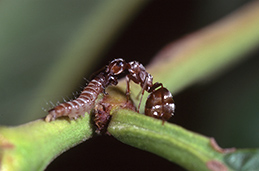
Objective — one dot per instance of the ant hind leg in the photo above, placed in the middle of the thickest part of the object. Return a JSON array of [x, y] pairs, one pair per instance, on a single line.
[[128, 87], [142, 92]]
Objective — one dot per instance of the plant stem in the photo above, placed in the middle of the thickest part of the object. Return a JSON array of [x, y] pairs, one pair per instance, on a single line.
[[188, 149], [34, 145]]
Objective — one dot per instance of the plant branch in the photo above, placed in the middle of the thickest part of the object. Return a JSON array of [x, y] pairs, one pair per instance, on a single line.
[[176, 144], [34, 145], [170, 141]]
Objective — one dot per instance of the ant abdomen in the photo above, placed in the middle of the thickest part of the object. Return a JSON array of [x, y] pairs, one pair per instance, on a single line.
[[160, 104]]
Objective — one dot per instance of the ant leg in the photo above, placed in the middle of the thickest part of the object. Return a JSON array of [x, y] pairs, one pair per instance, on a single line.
[[104, 92], [163, 121], [154, 86], [128, 87], [142, 92]]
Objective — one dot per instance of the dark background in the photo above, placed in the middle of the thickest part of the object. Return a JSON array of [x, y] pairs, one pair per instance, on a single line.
[[225, 107]]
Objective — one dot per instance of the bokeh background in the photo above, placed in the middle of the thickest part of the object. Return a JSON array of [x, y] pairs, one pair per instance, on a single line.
[[36, 37]]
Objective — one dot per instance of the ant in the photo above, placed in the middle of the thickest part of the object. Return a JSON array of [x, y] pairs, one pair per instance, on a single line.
[[160, 103], [135, 72]]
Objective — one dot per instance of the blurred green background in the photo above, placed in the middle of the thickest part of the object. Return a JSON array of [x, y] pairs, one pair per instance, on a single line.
[[47, 47]]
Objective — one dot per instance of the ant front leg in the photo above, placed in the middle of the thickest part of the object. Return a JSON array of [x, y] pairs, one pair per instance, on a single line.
[[128, 90], [142, 92], [154, 86], [128, 87]]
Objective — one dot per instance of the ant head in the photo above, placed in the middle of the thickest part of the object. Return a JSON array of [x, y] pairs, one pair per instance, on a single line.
[[116, 66]]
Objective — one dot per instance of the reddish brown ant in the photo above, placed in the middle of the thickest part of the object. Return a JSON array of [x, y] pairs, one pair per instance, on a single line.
[[160, 103]]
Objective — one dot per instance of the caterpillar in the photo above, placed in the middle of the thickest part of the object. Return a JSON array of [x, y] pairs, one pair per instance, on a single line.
[[86, 100]]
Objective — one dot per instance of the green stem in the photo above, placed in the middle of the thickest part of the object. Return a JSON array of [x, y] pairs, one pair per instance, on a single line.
[[208, 51], [34, 145], [190, 150], [176, 144]]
